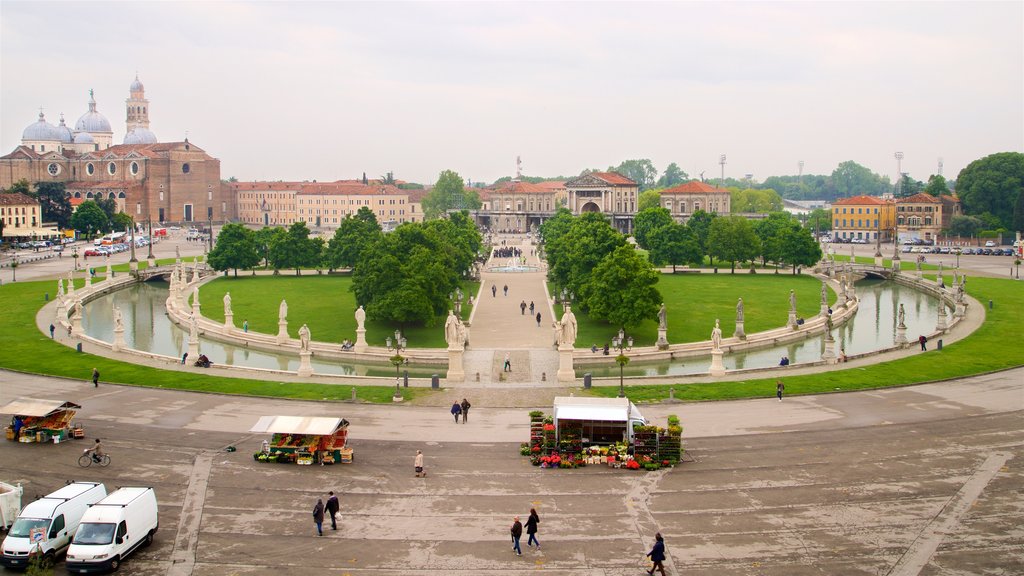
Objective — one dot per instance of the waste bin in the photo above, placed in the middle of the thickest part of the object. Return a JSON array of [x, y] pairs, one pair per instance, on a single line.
[[78, 346], [586, 379], [435, 381], [405, 379], [940, 345]]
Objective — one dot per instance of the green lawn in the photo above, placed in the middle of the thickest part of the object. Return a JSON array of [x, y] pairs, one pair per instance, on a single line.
[[324, 302], [694, 301], [994, 346]]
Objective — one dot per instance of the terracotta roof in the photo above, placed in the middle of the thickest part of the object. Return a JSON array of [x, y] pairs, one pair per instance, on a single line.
[[552, 185], [19, 152], [919, 198], [346, 188], [862, 200], [265, 186], [514, 187], [416, 196], [613, 178], [694, 187], [16, 199]]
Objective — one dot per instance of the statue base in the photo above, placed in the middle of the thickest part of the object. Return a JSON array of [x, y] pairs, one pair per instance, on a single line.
[[739, 333], [133, 265], [110, 273], [88, 279], [282, 332], [195, 307], [151, 262], [193, 349], [229, 322], [662, 342], [118, 339], [360, 345], [456, 370], [305, 366], [879, 261], [901, 335], [62, 310], [961, 310], [565, 371], [829, 355], [792, 321], [717, 367], [941, 325]]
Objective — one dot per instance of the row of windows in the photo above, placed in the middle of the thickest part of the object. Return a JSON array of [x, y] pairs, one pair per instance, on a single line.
[[712, 206], [5, 211], [274, 221], [915, 221], [343, 212], [856, 223], [917, 208], [859, 211], [13, 221], [864, 235]]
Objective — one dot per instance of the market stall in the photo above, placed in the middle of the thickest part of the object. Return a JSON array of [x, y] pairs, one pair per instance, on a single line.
[[42, 420], [303, 440]]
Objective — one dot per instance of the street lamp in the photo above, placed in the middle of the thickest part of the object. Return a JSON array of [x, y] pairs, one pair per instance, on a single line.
[[74, 254], [457, 298], [623, 344], [957, 252], [14, 269], [150, 243], [397, 345]]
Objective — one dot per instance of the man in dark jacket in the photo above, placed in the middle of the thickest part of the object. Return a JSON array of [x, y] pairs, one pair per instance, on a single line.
[[657, 555], [332, 508], [465, 410], [517, 533]]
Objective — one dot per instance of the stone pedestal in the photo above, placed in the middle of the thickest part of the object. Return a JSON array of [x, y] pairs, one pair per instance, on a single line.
[[229, 322], [76, 324], [739, 333], [195, 306], [940, 325], [717, 367], [829, 355], [662, 342], [360, 345], [878, 261], [118, 339], [565, 371], [961, 310], [62, 310], [193, 348], [133, 265], [792, 320], [305, 366], [901, 335], [88, 279], [151, 262], [456, 370], [110, 271], [282, 331]]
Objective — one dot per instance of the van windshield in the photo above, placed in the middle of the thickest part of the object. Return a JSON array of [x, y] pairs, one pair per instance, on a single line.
[[94, 533], [24, 526]]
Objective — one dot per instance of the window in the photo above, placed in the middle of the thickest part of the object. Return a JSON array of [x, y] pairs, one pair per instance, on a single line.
[[89, 169], [111, 168], [53, 168], [185, 168], [135, 168]]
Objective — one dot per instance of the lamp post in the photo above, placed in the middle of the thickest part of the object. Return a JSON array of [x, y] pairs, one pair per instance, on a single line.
[[957, 252], [209, 226], [397, 345], [74, 254], [456, 297], [149, 257], [14, 269], [622, 344]]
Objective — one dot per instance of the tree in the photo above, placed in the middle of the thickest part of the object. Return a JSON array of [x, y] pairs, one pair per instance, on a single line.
[[353, 235], [121, 221], [674, 244], [732, 238], [1018, 213], [673, 175], [263, 239], [937, 185], [771, 232], [852, 179], [21, 187], [908, 187], [700, 222], [965, 226], [648, 220], [89, 218], [755, 201], [648, 199], [799, 248], [236, 248], [642, 172], [622, 289], [447, 194], [819, 219], [54, 203], [109, 207], [584, 245], [295, 249], [992, 184]]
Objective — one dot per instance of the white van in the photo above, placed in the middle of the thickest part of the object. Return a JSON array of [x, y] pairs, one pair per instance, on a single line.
[[48, 524], [112, 529]]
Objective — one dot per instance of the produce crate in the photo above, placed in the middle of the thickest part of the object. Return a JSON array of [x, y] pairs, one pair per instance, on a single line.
[[346, 455]]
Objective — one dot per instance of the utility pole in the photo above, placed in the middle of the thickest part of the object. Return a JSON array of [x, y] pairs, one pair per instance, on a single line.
[[899, 172], [721, 181], [800, 173]]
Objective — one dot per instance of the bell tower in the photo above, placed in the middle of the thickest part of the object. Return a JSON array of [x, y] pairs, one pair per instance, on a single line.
[[137, 107]]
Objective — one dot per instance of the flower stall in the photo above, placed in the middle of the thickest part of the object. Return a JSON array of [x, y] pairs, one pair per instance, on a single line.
[[303, 440], [42, 420]]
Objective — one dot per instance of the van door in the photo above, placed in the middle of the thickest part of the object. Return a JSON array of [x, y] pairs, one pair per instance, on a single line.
[[58, 536], [122, 534]]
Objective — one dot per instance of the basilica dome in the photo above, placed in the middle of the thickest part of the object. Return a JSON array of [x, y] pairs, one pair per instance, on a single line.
[[84, 138], [92, 121], [140, 135], [64, 132], [136, 86], [41, 130]]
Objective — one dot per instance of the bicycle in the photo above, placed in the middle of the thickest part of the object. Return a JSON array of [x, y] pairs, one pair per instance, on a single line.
[[86, 460]]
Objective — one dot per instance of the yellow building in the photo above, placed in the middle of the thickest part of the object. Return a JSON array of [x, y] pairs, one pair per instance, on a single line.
[[322, 204], [866, 218], [22, 219]]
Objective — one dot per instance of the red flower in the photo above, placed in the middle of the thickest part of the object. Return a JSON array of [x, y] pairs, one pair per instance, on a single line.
[[535, 448], [549, 427]]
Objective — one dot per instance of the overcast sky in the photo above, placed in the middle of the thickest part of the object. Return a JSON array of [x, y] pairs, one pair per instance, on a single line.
[[294, 91]]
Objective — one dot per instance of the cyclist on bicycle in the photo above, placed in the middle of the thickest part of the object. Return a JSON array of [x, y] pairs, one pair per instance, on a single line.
[[96, 450]]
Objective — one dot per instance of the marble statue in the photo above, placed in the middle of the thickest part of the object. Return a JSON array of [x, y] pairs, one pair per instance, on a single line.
[[463, 334], [739, 310], [282, 311], [824, 294], [716, 337], [195, 296], [360, 317], [76, 314], [193, 327], [177, 253], [304, 338], [792, 301], [451, 330], [960, 293], [227, 304], [662, 318], [118, 319], [901, 316], [60, 287], [569, 327]]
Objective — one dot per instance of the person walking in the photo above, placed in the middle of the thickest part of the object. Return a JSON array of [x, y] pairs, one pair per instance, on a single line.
[[506, 289], [418, 464], [517, 533], [522, 308], [494, 291], [779, 388], [508, 363], [657, 555], [531, 307], [531, 528], [923, 341], [245, 326], [332, 508], [456, 411], [465, 410], [184, 357], [95, 378], [538, 319], [318, 516]]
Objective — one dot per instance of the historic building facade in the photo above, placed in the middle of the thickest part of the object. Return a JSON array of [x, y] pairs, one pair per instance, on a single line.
[[924, 216], [863, 218], [149, 180], [609, 193], [21, 217], [324, 204], [683, 200], [516, 206]]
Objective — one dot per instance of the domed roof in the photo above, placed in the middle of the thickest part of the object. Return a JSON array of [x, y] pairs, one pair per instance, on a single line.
[[41, 130], [136, 85], [64, 131], [92, 121], [140, 135], [84, 138]]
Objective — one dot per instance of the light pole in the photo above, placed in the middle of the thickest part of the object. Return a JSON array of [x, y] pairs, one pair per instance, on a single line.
[[899, 172], [14, 269], [74, 254], [149, 257], [957, 252], [397, 345], [623, 344], [457, 298]]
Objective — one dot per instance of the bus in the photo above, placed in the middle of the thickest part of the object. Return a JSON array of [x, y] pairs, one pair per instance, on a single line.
[[111, 239]]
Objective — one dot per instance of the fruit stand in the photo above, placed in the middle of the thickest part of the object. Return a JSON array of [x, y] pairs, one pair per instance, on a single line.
[[41, 420], [303, 440]]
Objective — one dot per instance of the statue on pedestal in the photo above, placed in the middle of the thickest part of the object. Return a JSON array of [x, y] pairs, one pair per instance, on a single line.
[[360, 318], [792, 301], [716, 337], [451, 330], [304, 336], [569, 326], [662, 318], [739, 310], [901, 316], [282, 311], [193, 328], [118, 319], [227, 304]]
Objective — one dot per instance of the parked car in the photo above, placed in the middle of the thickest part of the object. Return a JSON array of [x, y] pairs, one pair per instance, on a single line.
[[989, 243], [986, 251], [967, 251], [906, 249]]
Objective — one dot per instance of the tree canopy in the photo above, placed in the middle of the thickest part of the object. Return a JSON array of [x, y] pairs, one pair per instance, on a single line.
[[294, 249], [354, 233], [641, 171], [622, 289], [732, 239], [675, 245], [54, 203], [673, 175], [752, 200], [573, 252], [648, 220], [648, 199], [236, 248], [449, 193], [991, 185], [90, 218]]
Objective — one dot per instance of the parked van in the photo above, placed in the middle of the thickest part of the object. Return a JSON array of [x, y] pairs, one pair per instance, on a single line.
[[47, 525], [112, 529]]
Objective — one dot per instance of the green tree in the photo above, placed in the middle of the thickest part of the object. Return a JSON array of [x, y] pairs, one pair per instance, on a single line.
[[819, 219], [109, 207], [295, 249], [700, 222], [89, 218], [263, 238], [54, 203], [21, 187], [647, 220], [673, 175], [1018, 213], [674, 244], [965, 226], [992, 184], [449, 193], [851, 179], [732, 239], [354, 233], [642, 172], [623, 289], [648, 199], [755, 201], [937, 185], [236, 248], [121, 222], [908, 187], [799, 248], [771, 232], [587, 242]]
